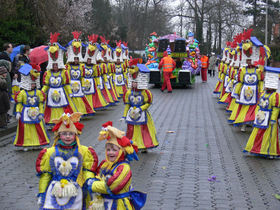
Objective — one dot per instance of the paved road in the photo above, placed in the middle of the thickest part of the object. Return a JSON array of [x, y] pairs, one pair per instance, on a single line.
[[175, 175]]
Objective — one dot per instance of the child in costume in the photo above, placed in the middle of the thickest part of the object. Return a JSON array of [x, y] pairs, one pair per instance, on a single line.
[[264, 138], [140, 125], [76, 71], [66, 167], [92, 93], [30, 109], [56, 83], [112, 186]]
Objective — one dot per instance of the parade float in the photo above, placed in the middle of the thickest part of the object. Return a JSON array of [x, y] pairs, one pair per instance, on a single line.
[[185, 53]]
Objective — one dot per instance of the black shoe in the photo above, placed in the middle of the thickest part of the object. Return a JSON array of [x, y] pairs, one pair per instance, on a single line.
[[161, 90], [170, 91]]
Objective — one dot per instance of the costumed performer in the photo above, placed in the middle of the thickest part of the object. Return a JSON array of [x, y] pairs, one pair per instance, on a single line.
[[119, 76], [31, 130], [76, 70], [56, 83], [137, 99], [66, 167], [264, 139], [251, 77], [112, 187], [92, 93]]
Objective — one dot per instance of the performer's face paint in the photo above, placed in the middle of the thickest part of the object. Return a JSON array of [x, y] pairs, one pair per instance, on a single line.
[[112, 152], [67, 137]]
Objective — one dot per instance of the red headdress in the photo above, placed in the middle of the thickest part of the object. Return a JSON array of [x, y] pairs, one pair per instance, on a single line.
[[247, 34], [233, 44], [76, 34], [93, 38], [133, 62], [103, 40], [119, 44], [53, 37], [125, 44], [228, 44], [153, 34], [35, 66]]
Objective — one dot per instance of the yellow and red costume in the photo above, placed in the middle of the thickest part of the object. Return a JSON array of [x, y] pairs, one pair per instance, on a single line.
[[65, 170], [264, 139], [76, 72], [113, 183], [137, 100], [92, 93], [30, 110], [56, 83]]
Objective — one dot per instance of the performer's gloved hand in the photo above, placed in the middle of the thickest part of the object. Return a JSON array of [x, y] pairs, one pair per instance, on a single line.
[[122, 119], [40, 202], [90, 182], [41, 117], [18, 115], [70, 95], [272, 122]]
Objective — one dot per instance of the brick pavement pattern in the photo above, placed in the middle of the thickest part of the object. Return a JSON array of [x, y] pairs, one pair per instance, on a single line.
[[175, 175]]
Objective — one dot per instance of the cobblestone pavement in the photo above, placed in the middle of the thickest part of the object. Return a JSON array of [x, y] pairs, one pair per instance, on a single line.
[[175, 175]]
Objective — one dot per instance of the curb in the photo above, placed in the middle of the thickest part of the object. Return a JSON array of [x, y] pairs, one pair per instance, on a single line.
[[11, 128]]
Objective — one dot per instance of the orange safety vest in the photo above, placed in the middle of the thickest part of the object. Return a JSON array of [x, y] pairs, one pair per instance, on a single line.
[[204, 61], [167, 64]]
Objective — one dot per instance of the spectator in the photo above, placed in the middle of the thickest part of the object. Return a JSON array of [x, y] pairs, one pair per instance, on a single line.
[[4, 98], [5, 55], [212, 64], [8, 67]]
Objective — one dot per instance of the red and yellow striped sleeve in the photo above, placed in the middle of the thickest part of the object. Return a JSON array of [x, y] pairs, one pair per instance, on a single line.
[[121, 178]]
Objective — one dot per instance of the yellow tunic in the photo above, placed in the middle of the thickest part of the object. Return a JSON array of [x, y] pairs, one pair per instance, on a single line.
[[30, 130]]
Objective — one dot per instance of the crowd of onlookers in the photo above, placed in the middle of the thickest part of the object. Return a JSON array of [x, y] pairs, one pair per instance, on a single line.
[[9, 74]]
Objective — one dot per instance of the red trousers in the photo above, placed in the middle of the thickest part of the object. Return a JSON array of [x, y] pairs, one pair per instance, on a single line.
[[166, 81], [204, 74]]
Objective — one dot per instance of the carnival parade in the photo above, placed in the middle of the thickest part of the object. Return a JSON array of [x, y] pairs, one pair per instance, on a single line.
[[129, 105]]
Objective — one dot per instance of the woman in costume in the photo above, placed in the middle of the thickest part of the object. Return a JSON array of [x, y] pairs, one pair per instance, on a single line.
[[221, 69], [66, 167], [56, 83], [251, 77], [101, 71], [112, 187], [31, 131], [92, 93], [106, 54], [235, 72], [119, 76], [76, 71], [264, 138], [140, 125]]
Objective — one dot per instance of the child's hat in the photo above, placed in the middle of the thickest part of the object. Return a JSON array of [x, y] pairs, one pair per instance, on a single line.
[[118, 138], [68, 122]]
